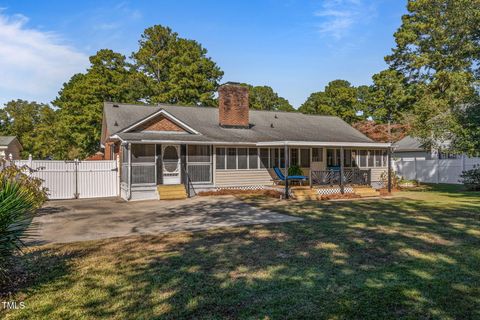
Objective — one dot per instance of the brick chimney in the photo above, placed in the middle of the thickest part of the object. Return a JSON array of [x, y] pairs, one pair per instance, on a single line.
[[233, 105]]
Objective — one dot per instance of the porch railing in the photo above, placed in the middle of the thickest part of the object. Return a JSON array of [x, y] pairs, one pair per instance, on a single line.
[[187, 182], [332, 177]]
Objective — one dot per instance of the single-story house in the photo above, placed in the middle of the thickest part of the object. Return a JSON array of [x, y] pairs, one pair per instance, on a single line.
[[9, 145], [206, 148], [412, 148]]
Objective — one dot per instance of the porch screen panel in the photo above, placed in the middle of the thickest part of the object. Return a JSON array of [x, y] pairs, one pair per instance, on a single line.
[[264, 158], [294, 157], [347, 158], [317, 155], [143, 164], [331, 157], [124, 167], [199, 163], [242, 158], [385, 158], [370, 158], [305, 158], [274, 157], [363, 158], [231, 158], [282, 158], [199, 153], [378, 158], [354, 158], [220, 158], [252, 158]]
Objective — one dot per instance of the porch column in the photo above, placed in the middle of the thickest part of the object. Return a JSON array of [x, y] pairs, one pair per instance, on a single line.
[[342, 189], [129, 171], [389, 174], [287, 162]]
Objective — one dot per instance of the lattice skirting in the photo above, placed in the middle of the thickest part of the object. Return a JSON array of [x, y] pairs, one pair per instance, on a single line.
[[256, 187], [333, 190]]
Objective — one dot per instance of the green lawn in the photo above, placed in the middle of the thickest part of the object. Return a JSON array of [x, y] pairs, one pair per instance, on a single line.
[[416, 256]]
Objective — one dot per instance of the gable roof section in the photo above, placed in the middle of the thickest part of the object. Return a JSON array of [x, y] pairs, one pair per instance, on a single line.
[[5, 141], [158, 114], [266, 126], [409, 143]]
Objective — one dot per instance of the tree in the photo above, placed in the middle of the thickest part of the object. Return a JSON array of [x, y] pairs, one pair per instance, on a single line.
[[388, 99], [80, 103], [264, 98], [438, 51], [338, 99], [176, 70], [32, 123]]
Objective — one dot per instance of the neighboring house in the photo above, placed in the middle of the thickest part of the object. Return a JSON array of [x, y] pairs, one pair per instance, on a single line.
[[229, 146], [412, 148], [9, 145]]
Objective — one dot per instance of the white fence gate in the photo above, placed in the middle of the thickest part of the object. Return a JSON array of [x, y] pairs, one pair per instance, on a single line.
[[76, 179], [434, 171]]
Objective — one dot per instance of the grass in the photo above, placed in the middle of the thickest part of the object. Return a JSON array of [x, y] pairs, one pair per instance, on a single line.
[[415, 256]]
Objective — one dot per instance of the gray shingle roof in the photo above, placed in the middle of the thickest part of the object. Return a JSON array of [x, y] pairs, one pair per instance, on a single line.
[[409, 143], [6, 140], [287, 126]]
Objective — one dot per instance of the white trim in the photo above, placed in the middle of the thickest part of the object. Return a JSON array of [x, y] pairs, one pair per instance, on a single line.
[[325, 144], [167, 115]]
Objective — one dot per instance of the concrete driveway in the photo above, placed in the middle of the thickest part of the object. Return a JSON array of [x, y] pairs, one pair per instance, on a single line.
[[89, 219]]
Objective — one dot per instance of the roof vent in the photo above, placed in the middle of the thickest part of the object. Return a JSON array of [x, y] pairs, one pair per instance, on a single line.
[[116, 124], [115, 105], [271, 125], [276, 117]]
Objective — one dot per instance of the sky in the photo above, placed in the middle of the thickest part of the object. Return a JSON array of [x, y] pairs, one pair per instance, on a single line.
[[294, 46]]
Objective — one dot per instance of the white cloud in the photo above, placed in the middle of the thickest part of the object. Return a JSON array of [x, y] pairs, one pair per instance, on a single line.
[[34, 64], [339, 16]]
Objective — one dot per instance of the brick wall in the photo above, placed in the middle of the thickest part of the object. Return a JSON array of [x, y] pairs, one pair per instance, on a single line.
[[233, 105]]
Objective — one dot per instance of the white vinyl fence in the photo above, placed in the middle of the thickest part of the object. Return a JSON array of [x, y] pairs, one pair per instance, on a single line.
[[434, 171], [76, 179]]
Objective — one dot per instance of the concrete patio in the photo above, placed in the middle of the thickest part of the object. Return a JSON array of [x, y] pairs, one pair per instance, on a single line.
[[89, 219]]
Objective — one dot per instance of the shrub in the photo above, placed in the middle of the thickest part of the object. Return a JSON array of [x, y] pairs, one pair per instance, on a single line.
[[471, 178], [295, 170], [20, 197], [395, 179]]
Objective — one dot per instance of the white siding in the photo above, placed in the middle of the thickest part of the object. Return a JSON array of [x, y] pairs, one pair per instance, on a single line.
[[232, 178]]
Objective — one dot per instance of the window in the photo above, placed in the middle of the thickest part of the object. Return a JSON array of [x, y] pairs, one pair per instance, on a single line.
[[242, 158], [317, 154], [252, 158], [293, 157], [264, 158], [305, 158], [370, 158], [378, 158], [220, 158], [143, 153], [198, 153], [363, 158], [231, 158]]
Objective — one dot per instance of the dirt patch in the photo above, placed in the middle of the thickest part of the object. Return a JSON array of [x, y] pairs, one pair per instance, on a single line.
[[339, 196]]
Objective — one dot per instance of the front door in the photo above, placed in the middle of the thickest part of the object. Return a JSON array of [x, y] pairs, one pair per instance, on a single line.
[[171, 164]]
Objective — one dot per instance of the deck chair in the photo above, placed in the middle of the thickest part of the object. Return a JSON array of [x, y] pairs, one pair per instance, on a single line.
[[281, 177]]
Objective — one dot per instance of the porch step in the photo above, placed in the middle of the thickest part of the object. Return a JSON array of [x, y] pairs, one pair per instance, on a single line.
[[302, 194], [366, 192], [172, 192]]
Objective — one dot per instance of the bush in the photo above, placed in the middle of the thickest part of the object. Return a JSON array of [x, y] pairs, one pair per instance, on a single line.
[[20, 197], [395, 179], [471, 178], [295, 170]]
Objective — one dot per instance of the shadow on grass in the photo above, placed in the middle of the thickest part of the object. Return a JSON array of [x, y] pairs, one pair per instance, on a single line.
[[397, 258]]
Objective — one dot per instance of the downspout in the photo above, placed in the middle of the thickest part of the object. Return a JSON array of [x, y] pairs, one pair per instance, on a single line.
[[129, 184]]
